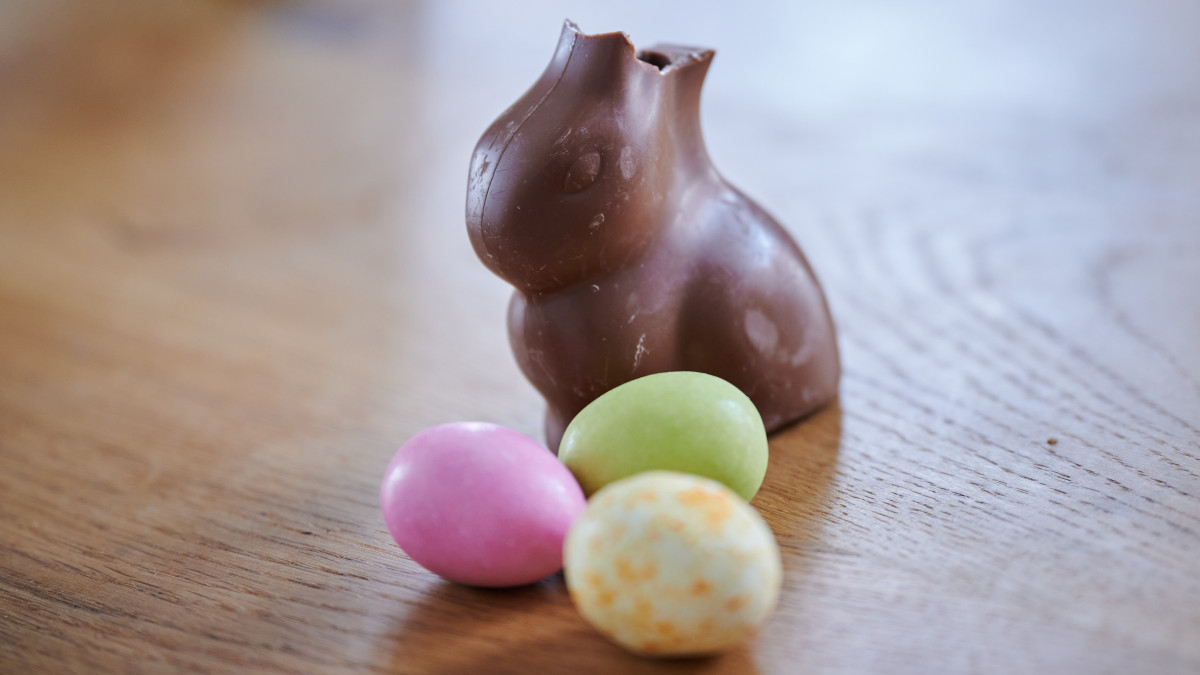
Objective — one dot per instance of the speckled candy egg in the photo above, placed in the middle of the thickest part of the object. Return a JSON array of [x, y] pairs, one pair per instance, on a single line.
[[480, 504], [671, 564]]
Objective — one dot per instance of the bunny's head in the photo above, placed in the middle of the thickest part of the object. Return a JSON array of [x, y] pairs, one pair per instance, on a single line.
[[569, 182]]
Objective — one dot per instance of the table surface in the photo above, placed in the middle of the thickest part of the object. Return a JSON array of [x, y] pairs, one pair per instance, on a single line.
[[235, 276]]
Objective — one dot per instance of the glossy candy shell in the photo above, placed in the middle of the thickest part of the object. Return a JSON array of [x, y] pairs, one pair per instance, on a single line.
[[480, 504]]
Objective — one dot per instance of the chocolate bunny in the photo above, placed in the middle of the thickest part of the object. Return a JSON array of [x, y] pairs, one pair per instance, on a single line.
[[594, 196]]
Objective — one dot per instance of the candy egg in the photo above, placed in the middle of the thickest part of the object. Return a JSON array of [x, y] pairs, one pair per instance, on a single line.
[[669, 564], [677, 421], [480, 504]]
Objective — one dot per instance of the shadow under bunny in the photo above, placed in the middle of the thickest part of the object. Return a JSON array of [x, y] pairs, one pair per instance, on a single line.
[[796, 493]]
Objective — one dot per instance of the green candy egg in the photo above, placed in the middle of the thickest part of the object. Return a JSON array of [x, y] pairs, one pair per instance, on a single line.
[[680, 421]]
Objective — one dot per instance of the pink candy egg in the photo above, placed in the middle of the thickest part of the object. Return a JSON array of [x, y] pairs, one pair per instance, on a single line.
[[480, 504]]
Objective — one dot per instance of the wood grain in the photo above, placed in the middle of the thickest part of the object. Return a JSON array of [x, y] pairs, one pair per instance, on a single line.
[[234, 276]]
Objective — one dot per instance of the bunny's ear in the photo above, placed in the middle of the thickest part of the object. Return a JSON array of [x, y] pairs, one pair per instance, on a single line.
[[683, 69], [598, 62], [496, 139], [562, 53]]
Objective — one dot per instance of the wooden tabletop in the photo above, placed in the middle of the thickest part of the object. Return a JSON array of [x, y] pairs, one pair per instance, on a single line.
[[235, 276]]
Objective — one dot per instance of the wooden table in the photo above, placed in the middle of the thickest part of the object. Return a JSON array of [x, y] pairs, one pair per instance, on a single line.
[[234, 277]]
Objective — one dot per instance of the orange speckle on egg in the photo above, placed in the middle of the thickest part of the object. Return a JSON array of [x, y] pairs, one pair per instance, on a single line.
[[664, 627], [701, 587], [649, 570], [641, 497], [735, 603], [705, 625], [642, 610], [714, 520], [651, 647], [716, 506], [625, 571], [605, 598], [593, 580], [699, 497]]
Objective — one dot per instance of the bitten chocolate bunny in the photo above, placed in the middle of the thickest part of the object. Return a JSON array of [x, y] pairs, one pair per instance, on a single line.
[[594, 196]]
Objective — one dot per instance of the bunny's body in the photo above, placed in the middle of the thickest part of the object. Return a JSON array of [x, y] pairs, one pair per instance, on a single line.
[[594, 196]]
